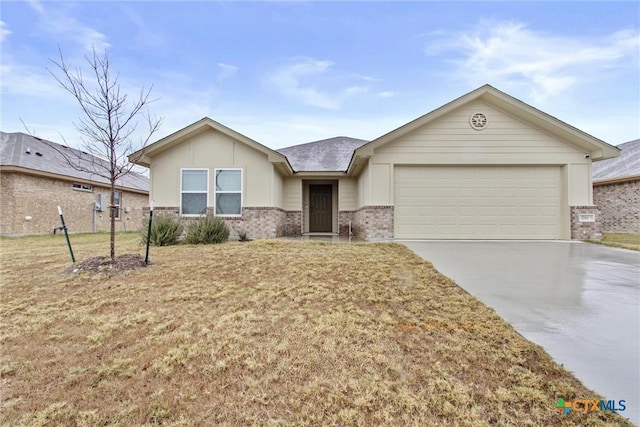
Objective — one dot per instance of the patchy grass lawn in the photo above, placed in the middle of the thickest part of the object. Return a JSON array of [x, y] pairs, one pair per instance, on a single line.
[[620, 240], [264, 333]]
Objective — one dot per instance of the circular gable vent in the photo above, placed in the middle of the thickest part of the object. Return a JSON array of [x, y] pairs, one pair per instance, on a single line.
[[478, 121]]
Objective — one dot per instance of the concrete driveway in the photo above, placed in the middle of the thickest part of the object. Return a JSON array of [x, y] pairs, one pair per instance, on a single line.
[[579, 301]]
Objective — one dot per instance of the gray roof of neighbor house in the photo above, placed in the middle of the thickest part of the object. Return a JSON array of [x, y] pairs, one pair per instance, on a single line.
[[626, 165], [27, 152], [327, 155]]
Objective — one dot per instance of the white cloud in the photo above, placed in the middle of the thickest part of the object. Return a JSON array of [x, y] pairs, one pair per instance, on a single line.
[[355, 90], [301, 79], [36, 5], [289, 80], [226, 70], [4, 31], [26, 80], [58, 21], [510, 54], [387, 94]]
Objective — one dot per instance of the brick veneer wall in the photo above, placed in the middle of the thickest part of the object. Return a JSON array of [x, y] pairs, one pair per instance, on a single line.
[[619, 205], [293, 223], [585, 230], [344, 218], [257, 222], [373, 222], [24, 195]]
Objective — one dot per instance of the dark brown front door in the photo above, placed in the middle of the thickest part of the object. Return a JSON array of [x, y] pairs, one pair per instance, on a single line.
[[320, 210]]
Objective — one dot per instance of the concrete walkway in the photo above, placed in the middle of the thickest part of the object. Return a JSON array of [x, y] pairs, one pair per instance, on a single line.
[[579, 301]]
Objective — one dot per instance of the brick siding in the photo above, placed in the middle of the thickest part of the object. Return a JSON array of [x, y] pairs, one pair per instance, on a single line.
[[344, 218], [619, 205], [293, 223], [373, 222], [28, 205], [257, 222], [585, 230]]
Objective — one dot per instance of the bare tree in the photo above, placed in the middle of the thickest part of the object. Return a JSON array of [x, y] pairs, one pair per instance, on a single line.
[[108, 122]]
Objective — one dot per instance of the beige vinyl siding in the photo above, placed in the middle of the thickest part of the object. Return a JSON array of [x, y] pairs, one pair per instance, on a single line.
[[381, 183], [212, 150], [478, 202], [450, 140], [292, 194], [277, 188], [363, 188], [347, 194], [578, 192]]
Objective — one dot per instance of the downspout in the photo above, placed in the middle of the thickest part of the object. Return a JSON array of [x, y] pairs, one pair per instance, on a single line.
[[94, 208]]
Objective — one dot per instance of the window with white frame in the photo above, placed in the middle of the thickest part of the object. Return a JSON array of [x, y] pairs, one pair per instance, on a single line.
[[194, 191], [117, 202], [228, 192], [82, 187]]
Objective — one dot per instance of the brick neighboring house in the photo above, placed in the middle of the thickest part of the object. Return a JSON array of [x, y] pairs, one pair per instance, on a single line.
[[35, 179], [616, 190]]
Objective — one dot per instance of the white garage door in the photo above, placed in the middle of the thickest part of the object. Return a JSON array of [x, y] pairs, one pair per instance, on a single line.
[[492, 202]]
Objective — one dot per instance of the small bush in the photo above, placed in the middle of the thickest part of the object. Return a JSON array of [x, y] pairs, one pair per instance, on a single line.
[[242, 236], [165, 230], [206, 230]]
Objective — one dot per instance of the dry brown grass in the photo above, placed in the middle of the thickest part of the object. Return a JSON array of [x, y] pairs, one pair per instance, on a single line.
[[620, 240], [269, 333]]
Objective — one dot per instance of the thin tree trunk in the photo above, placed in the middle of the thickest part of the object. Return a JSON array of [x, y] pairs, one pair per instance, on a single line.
[[112, 239]]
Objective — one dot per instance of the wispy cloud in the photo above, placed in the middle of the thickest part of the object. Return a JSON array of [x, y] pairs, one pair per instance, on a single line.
[[387, 94], [58, 21], [288, 79], [4, 31], [511, 54], [301, 80], [226, 70]]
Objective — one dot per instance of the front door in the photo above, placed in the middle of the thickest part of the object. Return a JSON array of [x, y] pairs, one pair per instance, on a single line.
[[320, 209]]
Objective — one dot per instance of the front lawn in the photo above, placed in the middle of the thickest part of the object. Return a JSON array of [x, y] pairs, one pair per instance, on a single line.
[[263, 333], [620, 240]]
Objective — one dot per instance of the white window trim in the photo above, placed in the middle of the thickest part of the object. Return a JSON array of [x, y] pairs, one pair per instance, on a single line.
[[77, 186], [193, 192], [228, 192]]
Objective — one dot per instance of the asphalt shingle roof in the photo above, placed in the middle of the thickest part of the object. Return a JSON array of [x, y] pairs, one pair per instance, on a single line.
[[327, 155], [25, 151], [627, 164]]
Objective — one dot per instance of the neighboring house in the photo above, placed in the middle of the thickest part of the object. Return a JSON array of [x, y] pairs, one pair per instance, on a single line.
[[35, 178], [484, 166], [616, 190]]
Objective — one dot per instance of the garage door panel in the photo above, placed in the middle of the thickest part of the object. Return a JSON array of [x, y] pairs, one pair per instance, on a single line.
[[478, 202]]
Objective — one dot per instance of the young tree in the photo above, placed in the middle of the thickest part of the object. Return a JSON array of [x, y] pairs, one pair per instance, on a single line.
[[108, 122]]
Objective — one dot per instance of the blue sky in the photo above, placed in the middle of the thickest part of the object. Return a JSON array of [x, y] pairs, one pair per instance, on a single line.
[[285, 73]]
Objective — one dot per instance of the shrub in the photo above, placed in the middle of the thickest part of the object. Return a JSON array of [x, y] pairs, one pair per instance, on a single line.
[[242, 236], [165, 230], [206, 230]]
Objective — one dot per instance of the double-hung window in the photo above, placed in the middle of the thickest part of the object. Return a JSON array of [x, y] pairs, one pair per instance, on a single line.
[[228, 193], [194, 191]]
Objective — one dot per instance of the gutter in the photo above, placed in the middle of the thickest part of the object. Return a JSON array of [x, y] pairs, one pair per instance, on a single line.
[[619, 180]]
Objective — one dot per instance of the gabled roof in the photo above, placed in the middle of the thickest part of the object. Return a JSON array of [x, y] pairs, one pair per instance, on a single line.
[[596, 148], [28, 154], [143, 157], [625, 167], [327, 155]]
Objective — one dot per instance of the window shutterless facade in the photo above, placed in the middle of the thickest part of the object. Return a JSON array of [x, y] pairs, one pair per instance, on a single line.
[[228, 192], [194, 191]]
